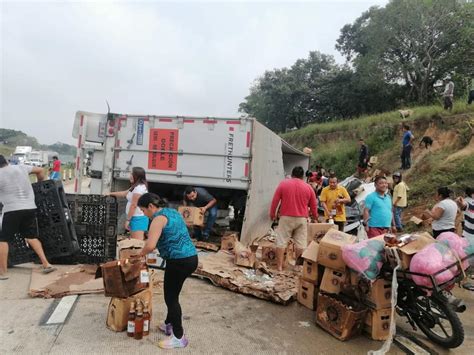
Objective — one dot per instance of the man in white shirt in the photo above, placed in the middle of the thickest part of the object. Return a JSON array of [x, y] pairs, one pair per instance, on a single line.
[[19, 211]]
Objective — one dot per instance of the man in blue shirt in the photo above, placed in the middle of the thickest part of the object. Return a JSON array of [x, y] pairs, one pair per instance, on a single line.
[[378, 216], [406, 147]]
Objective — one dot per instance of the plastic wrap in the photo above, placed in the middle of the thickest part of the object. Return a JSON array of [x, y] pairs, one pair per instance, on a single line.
[[365, 257], [432, 259], [460, 246]]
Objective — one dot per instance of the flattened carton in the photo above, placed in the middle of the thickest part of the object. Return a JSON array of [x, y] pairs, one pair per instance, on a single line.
[[317, 230], [330, 253], [117, 313], [406, 252], [310, 263], [192, 215]]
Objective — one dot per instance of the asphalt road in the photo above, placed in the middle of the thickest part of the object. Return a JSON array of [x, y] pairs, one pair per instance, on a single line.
[[216, 321]]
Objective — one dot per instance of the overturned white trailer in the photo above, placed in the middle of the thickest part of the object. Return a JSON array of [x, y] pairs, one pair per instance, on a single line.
[[238, 159]]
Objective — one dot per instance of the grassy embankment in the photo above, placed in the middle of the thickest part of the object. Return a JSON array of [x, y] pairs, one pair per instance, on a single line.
[[335, 146]]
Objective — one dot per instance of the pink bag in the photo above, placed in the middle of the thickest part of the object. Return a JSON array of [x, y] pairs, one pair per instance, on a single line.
[[365, 257], [430, 260], [455, 243]]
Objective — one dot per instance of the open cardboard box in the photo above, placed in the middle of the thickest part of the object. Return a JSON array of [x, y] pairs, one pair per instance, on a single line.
[[406, 251], [317, 230], [330, 253], [310, 263]]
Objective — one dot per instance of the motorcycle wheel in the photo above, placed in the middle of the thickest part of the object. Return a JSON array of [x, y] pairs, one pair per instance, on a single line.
[[439, 322]]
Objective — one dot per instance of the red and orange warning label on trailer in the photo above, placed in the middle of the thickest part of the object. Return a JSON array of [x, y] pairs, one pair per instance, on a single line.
[[166, 142]]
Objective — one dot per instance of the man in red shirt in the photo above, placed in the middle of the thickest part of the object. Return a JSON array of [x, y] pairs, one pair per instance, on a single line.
[[56, 170], [293, 196]]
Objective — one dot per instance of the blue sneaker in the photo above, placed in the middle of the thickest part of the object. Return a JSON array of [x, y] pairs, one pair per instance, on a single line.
[[172, 342], [166, 328]]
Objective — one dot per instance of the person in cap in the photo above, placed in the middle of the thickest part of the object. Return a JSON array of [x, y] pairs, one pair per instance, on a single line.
[[19, 212], [399, 199]]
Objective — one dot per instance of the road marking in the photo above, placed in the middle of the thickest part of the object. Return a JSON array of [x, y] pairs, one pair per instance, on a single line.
[[409, 345], [62, 310], [412, 340]]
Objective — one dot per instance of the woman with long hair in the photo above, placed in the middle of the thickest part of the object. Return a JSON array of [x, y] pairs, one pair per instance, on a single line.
[[137, 222], [168, 233], [443, 213]]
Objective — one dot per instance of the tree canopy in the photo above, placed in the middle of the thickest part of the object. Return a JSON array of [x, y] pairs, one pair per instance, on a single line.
[[395, 55]]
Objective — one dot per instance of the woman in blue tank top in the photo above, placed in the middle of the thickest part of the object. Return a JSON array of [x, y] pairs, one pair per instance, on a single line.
[[168, 232]]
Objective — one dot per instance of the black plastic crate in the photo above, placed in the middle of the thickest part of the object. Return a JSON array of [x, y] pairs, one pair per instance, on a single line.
[[19, 252], [93, 250], [55, 226]]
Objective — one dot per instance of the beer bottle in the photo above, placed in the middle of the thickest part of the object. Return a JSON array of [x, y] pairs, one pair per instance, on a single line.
[[139, 323], [131, 320], [146, 320]]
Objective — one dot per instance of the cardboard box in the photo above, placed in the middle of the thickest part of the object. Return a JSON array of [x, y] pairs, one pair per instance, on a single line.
[[333, 280], [228, 242], [123, 278], [406, 252], [317, 230], [117, 313], [245, 256], [310, 265], [192, 215], [307, 294], [269, 254], [340, 317], [377, 294], [377, 323], [129, 247], [330, 253]]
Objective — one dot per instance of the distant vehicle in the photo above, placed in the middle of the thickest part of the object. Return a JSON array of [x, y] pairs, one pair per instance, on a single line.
[[21, 153], [37, 158]]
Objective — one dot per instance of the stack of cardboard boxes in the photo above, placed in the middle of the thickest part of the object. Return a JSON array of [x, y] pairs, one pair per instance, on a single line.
[[329, 287], [126, 280]]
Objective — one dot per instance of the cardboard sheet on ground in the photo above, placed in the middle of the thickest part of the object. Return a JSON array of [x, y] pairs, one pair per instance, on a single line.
[[221, 270], [66, 280]]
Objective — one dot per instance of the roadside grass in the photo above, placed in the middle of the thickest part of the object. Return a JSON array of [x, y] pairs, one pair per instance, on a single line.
[[364, 124]]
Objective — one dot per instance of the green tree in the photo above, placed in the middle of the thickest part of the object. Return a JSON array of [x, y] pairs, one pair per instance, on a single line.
[[413, 42]]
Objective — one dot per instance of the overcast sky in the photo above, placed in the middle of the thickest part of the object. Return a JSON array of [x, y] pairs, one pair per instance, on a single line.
[[181, 58]]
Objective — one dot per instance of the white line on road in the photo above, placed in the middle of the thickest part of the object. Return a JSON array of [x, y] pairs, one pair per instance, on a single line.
[[410, 345], [62, 310]]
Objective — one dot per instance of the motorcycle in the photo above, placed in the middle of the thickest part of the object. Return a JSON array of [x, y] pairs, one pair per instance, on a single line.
[[431, 309]]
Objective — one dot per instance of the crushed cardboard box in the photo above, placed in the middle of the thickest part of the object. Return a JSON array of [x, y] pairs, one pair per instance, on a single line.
[[206, 246], [220, 269], [123, 278]]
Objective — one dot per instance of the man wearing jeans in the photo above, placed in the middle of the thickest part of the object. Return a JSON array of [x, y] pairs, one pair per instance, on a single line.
[[399, 199], [407, 140], [378, 210], [292, 199], [200, 197]]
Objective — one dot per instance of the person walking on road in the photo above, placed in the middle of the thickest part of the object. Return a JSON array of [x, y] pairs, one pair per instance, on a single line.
[[55, 173], [168, 233], [407, 140], [137, 222], [378, 216], [200, 197], [399, 198], [443, 213], [19, 212], [292, 198], [334, 198]]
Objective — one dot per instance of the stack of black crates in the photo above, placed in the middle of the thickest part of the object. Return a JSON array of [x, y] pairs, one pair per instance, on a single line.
[[95, 220]]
